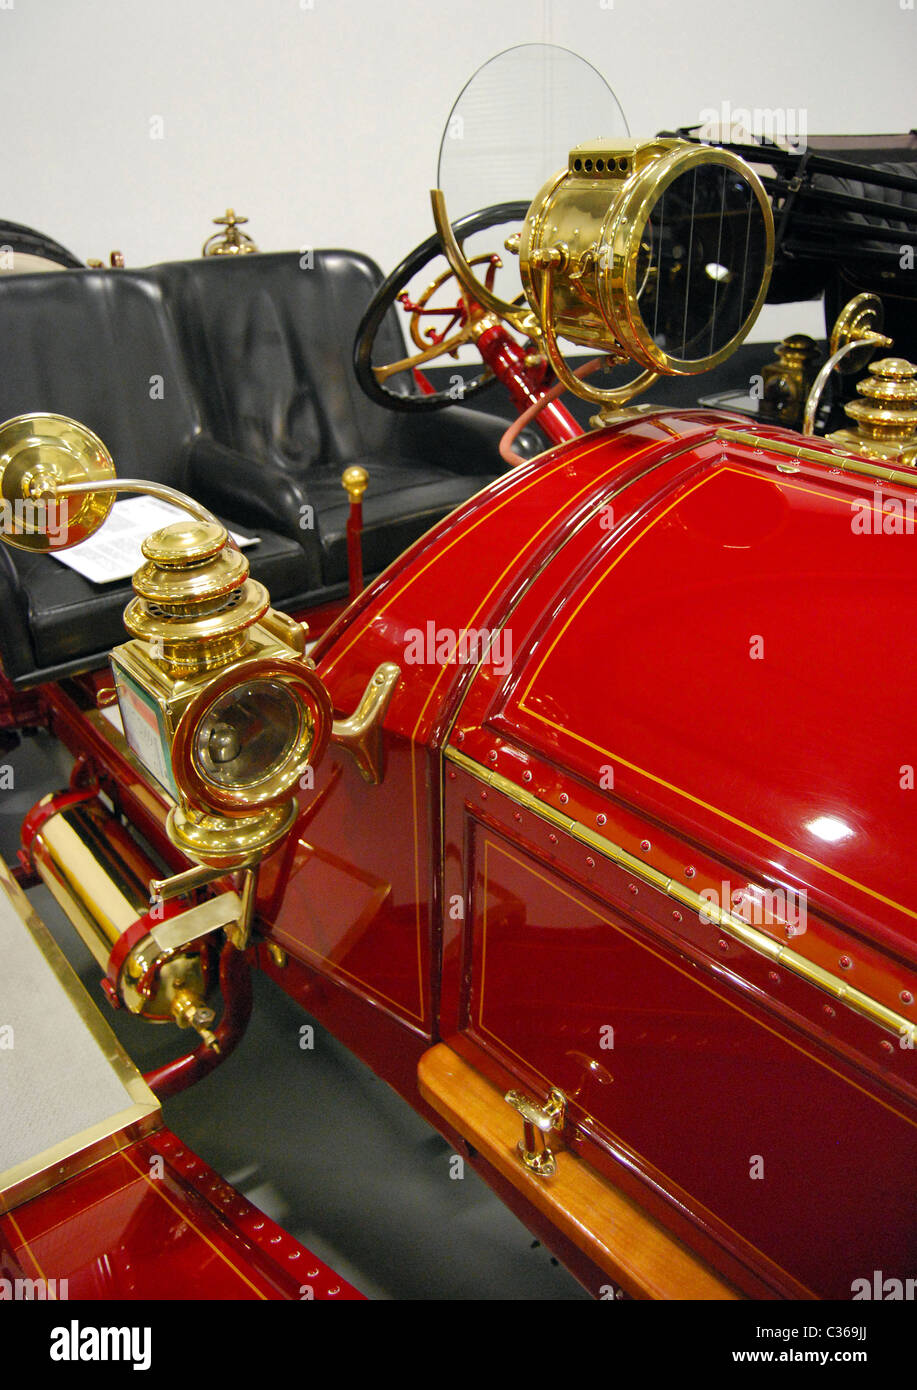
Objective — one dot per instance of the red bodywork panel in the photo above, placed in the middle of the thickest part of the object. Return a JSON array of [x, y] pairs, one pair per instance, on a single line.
[[155, 1222], [686, 631]]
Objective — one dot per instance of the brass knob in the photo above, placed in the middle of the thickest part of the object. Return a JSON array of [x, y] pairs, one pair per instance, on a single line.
[[354, 481]]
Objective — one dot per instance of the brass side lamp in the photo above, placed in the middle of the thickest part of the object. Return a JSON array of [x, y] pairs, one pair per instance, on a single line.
[[218, 702], [658, 253]]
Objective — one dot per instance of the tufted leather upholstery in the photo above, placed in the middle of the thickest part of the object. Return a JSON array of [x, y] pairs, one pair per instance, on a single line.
[[257, 414]]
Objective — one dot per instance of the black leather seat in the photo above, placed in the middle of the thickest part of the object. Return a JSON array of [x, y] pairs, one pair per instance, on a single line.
[[101, 347], [230, 379], [271, 338]]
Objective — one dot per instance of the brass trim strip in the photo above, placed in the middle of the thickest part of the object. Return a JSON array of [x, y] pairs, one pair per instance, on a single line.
[[141, 1113], [726, 921], [847, 463]]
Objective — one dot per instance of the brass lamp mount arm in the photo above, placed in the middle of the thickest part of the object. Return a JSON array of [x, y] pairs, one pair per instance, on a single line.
[[547, 261], [48, 488], [857, 330], [48, 459]]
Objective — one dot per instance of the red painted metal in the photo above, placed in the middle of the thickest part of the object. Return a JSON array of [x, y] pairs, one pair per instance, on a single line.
[[236, 989], [525, 383], [48, 807], [626, 580], [355, 546], [155, 1222], [423, 382], [20, 709], [632, 571]]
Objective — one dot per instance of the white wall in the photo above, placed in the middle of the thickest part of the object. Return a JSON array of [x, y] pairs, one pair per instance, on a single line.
[[321, 119]]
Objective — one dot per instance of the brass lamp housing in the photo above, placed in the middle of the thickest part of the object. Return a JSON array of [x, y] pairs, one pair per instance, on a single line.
[[206, 639], [587, 233]]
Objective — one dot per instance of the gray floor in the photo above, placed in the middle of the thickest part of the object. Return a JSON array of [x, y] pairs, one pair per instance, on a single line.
[[313, 1137]]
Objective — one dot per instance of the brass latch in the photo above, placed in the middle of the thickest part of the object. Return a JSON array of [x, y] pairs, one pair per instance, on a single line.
[[537, 1122]]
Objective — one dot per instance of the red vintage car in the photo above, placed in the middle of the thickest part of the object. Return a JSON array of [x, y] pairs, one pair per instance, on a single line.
[[584, 825]]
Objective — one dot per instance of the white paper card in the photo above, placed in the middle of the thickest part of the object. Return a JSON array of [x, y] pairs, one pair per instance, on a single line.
[[114, 551]]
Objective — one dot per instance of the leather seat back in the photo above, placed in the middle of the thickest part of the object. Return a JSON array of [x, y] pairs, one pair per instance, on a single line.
[[100, 346], [270, 338]]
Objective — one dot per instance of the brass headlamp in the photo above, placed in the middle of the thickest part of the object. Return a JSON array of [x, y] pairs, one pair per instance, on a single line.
[[657, 252]]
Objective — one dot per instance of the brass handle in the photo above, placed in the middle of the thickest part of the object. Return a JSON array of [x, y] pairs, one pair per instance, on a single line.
[[537, 1122]]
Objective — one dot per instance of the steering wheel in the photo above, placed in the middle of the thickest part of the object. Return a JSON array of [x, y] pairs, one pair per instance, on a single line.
[[452, 324], [26, 241]]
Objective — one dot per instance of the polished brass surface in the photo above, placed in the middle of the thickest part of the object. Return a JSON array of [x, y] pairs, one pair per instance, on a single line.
[[855, 337], [585, 234], [786, 382], [513, 314], [835, 457], [354, 481], [141, 1114], [86, 873], [858, 326], [195, 601], [97, 877], [727, 922], [245, 739], [231, 241], [225, 842], [886, 416], [609, 398], [38, 453], [177, 885], [190, 1011], [361, 734], [182, 544], [537, 1122]]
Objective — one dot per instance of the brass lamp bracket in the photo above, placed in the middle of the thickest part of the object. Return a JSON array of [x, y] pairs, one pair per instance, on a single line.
[[537, 1123], [361, 734], [239, 911], [617, 395], [856, 335]]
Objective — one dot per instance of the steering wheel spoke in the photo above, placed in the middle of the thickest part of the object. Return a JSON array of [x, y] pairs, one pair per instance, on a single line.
[[407, 364], [436, 329]]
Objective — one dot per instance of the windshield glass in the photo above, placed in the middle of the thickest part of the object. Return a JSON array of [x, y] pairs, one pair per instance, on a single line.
[[515, 122]]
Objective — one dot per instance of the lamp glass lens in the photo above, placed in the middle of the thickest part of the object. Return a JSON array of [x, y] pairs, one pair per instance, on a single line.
[[701, 261], [248, 735]]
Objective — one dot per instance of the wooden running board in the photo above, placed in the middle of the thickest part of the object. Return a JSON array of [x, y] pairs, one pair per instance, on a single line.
[[609, 1228]]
